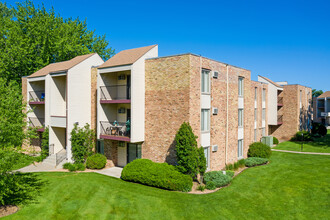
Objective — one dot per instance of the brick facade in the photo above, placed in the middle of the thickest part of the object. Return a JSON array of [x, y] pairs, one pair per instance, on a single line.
[[94, 97]]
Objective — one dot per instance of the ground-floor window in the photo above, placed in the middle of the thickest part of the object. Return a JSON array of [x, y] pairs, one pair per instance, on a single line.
[[133, 152], [240, 149], [255, 135], [207, 156], [263, 131]]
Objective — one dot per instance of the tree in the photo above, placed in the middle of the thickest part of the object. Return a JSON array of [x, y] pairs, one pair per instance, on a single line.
[[316, 93], [32, 37], [201, 162], [12, 116], [82, 143], [189, 158]]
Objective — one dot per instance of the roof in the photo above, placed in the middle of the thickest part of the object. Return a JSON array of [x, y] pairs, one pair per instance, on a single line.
[[60, 66], [126, 57], [324, 95], [272, 82]]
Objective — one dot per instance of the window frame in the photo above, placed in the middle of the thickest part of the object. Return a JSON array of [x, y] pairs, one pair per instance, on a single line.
[[203, 120], [207, 157], [203, 82], [240, 125], [239, 156], [240, 86]]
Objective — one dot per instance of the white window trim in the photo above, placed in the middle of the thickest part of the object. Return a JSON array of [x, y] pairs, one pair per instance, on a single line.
[[242, 90], [241, 126], [209, 92], [209, 120], [208, 161], [242, 156]]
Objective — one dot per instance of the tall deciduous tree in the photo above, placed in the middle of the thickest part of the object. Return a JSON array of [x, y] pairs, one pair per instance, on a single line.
[[32, 37], [316, 93]]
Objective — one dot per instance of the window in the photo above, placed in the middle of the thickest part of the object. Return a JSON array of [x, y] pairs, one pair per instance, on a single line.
[[300, 98], [207, 156], [205, 81], [263, 95], [240, 86], [255, 114], [205, 120], [263, 114], [240, 117], [255, 93], [134, 152], [263, 131], [240, 149], [255, 135]]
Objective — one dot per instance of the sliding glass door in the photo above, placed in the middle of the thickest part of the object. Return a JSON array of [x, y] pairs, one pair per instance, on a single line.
[[134, 152]]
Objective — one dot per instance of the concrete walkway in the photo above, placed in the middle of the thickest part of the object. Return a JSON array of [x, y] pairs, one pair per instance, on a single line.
[[113, 171], [298, 152]]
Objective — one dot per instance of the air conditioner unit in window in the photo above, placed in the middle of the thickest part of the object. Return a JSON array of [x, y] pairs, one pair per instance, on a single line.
[[121, 77], [121, 110], [214, 148], [215, 75], [214, 111]]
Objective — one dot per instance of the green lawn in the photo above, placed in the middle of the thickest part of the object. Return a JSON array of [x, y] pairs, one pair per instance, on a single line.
[[292, 186], [321, 145]]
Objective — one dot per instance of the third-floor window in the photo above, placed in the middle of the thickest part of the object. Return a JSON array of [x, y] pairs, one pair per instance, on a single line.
[[205, 81], [240, 86]]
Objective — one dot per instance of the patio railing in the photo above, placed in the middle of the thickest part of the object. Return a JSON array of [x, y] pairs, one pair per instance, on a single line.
[[115, 92], [37, 96], [115, 128], [36, 122]]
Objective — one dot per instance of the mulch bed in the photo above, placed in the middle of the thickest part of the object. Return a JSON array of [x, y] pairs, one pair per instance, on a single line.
[[7, 210]]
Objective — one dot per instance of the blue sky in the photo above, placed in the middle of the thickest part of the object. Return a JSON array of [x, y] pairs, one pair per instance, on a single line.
[[282, 40]]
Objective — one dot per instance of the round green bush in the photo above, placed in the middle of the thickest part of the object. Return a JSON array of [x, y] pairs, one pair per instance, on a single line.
[[275, 140], [254, 161], [161, 175], [217, 177], [258, 149], [302, 136], [210, 185], [96, 161], [230, 173], [318, 129], [322, 130]]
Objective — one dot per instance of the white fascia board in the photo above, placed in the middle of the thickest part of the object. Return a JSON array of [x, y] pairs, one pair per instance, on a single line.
[[58, 74], [115, 69], [38, 78]]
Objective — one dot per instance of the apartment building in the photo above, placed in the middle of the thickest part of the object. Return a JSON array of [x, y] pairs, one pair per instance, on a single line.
[[321, 113], [144, 99], [289, 108], [59, 96]]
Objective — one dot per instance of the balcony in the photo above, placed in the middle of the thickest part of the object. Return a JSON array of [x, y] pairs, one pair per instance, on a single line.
[[37, 97], [38, 123], [279, 119], [119, 131], [115, 94], [280, 101]]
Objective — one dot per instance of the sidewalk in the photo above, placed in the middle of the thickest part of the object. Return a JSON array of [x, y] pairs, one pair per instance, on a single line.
[[298, 152]]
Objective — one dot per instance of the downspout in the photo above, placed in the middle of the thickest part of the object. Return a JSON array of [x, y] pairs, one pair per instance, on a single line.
[[227, 113]]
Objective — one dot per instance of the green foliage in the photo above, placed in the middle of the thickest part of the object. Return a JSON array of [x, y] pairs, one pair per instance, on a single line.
[[96, 161], [319, 129], [275, 141], [236, 165], [241, 163], [254, 161], [44, 144], [186, 151], [229, 166], [230, 173], [82, 143], [15, 188], [161, 175], [302, 136], [32, 37], [12, 116], [210, 185], [201, 161], [316, 93], [74, 167], [218, 178], [201, 187], [258, 149]]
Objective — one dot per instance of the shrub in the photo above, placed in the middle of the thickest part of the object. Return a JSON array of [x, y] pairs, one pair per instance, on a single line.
[[275, 141], [218, 178], [96, 161], [74, 167], [254, 161], [82, 143], [201, 187], [230, 173], [241, 163], [201, 161], [229, 166], [210, 185], [161, 175], [299, 136], [258, 149], [319, 129]]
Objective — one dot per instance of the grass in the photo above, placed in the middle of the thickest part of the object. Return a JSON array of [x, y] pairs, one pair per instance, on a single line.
[[292, 186], [321, 145]]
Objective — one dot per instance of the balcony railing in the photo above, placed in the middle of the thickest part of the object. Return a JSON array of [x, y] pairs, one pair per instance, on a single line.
[[116, 92], [280, 101], [37, 96], [280, 119], [119, 129], [36, 122]]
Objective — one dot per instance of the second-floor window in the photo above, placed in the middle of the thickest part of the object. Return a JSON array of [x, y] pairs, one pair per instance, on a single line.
[[240, 117], [240, 86], [263, 114], [205, 120], [255, 114], [205, 81], [263, 95]]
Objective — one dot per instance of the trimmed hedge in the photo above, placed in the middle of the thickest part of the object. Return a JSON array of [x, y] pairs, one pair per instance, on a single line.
[[258, 149], [210, 185], [74, 166], [161, 175], [275, 141], [254, 161], [230, 173], [96, 161], [217, 177]]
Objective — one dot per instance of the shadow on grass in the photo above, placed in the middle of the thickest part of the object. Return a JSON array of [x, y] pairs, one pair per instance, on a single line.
[[19, 188], [321, 142]]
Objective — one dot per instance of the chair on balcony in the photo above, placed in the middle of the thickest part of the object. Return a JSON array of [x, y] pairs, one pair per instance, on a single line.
[[109, 129], [122, 131]]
